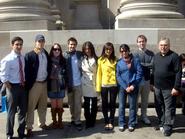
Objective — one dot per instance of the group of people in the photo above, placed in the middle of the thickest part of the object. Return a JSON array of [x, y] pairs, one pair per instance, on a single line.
[[31, 79]]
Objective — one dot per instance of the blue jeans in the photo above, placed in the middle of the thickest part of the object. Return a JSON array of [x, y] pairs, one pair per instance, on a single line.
[[132, 99]]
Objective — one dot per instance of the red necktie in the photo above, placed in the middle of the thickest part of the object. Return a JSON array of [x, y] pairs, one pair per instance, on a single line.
[[21, 74]]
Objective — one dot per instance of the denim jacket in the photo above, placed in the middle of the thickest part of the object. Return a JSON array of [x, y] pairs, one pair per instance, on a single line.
[[126, 76]]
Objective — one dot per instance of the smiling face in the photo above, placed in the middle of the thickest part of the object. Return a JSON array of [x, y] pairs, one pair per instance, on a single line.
[[164, 46], [108, 51], [17, 46], [40, 44], [124, 53], [56, 50], [72, 46], [141, 43], [88, 51]]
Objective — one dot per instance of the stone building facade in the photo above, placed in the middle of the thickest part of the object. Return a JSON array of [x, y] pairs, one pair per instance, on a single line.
[[82, 14]]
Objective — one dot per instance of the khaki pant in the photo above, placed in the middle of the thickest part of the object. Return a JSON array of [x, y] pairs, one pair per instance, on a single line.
[[144, 91], [75, 104], [37, 95]]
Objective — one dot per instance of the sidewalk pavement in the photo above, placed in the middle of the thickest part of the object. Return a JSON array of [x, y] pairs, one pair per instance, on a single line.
[[141, 132]]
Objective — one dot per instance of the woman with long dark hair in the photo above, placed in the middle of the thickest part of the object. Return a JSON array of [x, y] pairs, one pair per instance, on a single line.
[[56, 84], [106, 83], [89, 66]]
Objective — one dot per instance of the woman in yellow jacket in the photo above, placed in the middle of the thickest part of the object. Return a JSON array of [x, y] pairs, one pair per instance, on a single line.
[[106, 83]]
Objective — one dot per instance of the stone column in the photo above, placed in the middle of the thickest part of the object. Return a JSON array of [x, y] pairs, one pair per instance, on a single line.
[[25, 11], [181, 6], [86, 14], [148, 10]]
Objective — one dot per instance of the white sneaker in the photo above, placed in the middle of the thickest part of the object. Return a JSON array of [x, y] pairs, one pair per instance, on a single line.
[[161, 129], [146, 121], [121, 129], [131, 129]]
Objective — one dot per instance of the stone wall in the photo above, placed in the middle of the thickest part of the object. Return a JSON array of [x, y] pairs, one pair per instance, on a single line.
[[98, 38]]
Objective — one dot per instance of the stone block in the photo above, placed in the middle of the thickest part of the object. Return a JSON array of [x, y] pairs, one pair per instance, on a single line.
[[149, 23], [27, 25]]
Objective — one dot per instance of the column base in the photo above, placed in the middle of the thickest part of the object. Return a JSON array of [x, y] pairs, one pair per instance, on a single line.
[[149, 23], [27, 25]]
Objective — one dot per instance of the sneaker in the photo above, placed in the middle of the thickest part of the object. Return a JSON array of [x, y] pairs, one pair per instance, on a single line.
[[78, 127], [131, 129], [146, 121], [167, 133], [161, 129], [29, 133], [121, 129], [156, 128], [111, 127], [45, 127], [106, 127]]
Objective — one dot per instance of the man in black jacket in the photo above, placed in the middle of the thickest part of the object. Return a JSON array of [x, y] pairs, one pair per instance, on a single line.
[[167, 79], [36, 73], [74, 59]]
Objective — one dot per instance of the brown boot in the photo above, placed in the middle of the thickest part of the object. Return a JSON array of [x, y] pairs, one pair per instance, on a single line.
[[60, 113], [53, 115]]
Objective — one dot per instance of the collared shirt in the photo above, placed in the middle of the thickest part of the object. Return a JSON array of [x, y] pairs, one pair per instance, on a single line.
[[42, 70], [76, 71], [10, 68]]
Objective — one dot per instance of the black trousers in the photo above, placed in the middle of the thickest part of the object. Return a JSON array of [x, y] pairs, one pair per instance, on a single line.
[[90, 110], [108, 95], [16, 102], [165, 105]]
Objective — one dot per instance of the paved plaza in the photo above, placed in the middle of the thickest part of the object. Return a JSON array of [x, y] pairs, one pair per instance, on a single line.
[[98, 132]]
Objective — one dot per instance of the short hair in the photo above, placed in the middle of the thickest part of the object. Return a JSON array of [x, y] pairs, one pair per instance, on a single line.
[[17, 38], [72, 39], [142, 37], [165, 39]]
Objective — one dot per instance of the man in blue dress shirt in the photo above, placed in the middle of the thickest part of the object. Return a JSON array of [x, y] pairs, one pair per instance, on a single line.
[[13, 76]]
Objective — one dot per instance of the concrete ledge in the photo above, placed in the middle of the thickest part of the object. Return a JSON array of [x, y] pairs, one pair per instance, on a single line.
[[149, 23], [27, 25]]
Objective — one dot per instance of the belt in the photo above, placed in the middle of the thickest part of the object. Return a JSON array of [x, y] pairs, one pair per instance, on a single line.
[[41, 81], [16, 84]]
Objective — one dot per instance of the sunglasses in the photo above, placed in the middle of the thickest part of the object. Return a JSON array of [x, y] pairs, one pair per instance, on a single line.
[[56, 49], [123, 51]]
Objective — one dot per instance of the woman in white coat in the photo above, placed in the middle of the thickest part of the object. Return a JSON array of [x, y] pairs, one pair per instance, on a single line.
[[89, 65]]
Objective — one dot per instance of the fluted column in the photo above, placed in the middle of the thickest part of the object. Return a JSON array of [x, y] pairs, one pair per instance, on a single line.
[[148, 9], [25, 10]]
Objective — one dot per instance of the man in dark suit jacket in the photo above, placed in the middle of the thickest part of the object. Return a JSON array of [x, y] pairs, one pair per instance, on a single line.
[[36, 73]]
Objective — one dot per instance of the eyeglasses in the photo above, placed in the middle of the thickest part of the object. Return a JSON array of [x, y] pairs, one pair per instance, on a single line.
[[56, 49], [123, 51]]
